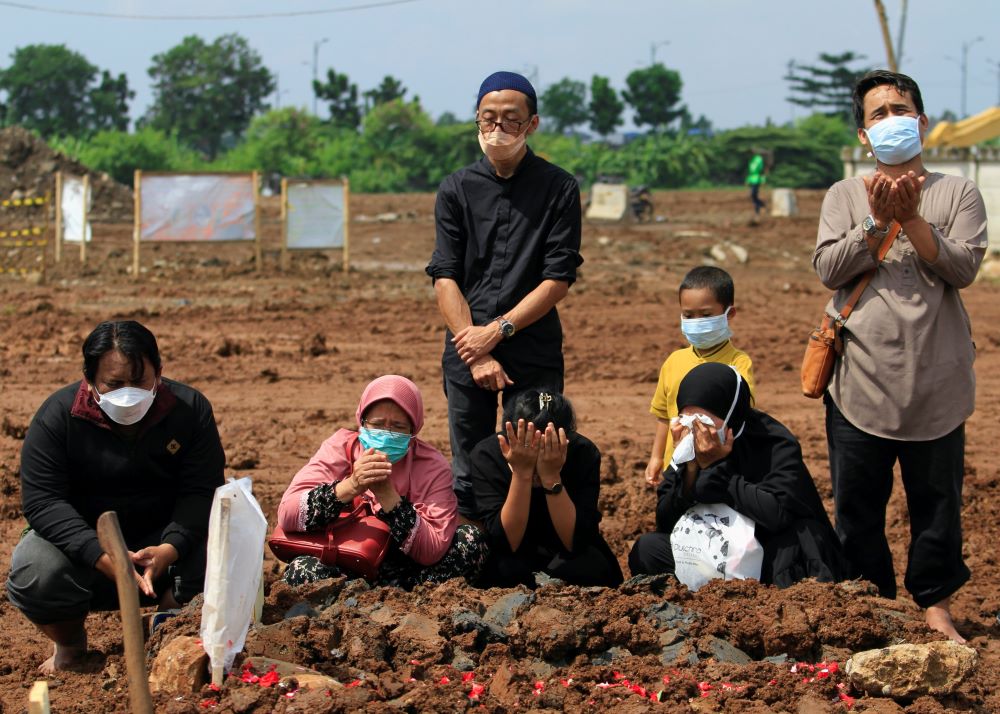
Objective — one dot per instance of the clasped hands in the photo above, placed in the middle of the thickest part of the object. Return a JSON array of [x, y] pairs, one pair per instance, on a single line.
[[529, 450], [153, 560], [473, 344], [893, 199], [371, 472]]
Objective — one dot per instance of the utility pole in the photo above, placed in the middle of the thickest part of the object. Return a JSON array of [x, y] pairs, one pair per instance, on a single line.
[[884, 23], [791, 70], [652, 50], [965, 72], [316, 46]]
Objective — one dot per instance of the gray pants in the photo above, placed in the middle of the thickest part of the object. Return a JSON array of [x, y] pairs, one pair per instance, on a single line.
[[48, 587]]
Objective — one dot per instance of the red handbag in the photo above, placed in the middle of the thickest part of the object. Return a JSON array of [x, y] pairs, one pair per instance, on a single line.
[[356, 541]]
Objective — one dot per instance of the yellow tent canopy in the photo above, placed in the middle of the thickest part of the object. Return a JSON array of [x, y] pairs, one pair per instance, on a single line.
[[970, 131]]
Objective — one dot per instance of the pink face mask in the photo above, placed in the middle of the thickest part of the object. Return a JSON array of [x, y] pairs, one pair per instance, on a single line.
[[499, 146]]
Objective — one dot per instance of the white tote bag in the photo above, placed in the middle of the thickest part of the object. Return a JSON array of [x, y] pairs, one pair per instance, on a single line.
[[711, 540]]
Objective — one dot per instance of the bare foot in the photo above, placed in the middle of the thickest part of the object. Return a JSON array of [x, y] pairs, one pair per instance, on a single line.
[[63, 657], [938, 617]]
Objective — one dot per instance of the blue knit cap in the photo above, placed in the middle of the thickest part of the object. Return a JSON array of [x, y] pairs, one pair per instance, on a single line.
[[508, 80]]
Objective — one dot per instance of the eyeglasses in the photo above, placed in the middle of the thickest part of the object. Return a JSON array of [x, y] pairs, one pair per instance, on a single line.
[[507, 126], [393, 427]]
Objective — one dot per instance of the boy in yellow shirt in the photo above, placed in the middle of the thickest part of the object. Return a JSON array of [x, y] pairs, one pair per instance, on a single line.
[[707, 297]]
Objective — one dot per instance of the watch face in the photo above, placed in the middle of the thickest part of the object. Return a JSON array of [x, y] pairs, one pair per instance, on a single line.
[[507, 328], [868, 224], [556, 488]]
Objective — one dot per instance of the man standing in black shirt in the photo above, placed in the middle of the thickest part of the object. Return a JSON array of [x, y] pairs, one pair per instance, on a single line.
[[507, 249]]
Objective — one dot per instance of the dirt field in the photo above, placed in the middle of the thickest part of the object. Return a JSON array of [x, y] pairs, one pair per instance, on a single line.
[[284, 357]]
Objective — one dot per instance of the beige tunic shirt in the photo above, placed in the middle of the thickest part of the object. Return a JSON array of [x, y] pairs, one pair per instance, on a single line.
[[906, 369]]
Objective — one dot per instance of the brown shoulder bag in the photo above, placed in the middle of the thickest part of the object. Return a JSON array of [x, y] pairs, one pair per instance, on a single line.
[[824, 342]]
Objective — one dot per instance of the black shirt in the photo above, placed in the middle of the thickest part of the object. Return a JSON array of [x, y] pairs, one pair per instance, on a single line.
[[499, 239], [75, 466]]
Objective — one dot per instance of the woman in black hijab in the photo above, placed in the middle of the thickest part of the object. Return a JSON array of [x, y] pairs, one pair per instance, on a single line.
[[749, 461]]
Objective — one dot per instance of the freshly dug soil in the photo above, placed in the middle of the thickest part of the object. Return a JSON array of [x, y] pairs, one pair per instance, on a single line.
[[284, 356], [28, 170]]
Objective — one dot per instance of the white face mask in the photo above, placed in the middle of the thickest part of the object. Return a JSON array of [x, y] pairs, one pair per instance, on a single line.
[[127, 405], [499, 146], [705, 332], [895, 140]]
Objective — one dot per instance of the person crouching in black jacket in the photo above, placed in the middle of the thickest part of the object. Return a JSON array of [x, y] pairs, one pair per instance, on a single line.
[[123, 439], [752, 463], [536, 487]]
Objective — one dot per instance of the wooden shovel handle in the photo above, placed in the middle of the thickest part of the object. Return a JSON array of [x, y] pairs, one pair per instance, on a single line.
[[109, 533]]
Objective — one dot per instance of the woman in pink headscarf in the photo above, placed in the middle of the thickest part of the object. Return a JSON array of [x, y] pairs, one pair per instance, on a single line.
[[408, 482]]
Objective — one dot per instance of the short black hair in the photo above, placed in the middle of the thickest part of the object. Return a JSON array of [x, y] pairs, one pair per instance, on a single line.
[[128, 337], [540, 407], [715, 279], [876, 78]]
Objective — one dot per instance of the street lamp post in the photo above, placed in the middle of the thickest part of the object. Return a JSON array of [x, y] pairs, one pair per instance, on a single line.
[[652, 50], [316, 46], [965, 73]]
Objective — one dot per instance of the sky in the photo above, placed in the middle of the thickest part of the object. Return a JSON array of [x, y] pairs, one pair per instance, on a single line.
[[732, 55]]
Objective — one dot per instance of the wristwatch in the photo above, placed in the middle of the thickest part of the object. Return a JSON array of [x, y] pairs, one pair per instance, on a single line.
[[507, 328], [869, 227], [556, 489]]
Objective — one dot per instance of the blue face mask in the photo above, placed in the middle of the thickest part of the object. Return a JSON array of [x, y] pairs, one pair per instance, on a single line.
[[705, 332], [895, 140], [389, 443]]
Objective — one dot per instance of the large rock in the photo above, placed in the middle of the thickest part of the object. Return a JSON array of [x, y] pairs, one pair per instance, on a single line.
[[910, 671], [181, 667], [507, 608]]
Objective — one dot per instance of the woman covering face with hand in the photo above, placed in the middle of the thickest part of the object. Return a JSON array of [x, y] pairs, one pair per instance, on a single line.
[[536, 486], [407, 480], [728, 452]]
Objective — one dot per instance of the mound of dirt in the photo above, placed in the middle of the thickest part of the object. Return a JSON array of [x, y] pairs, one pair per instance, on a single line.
[[649, 646], [28, 170]]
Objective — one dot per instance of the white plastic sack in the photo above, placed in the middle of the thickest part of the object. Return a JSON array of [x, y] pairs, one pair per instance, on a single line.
[[711, 540], [236, 532]]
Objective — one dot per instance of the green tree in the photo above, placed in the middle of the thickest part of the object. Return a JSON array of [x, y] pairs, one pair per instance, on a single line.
[[564, 104], [208, 93], [449, 119], [605, 106], [53, 90], [826, 86], [341, 96], [653, 93], [119, 153], [281, 141], [109, 103], [389, 90]]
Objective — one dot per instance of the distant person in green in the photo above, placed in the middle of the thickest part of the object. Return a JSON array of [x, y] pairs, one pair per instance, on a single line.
[[756, 171]]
